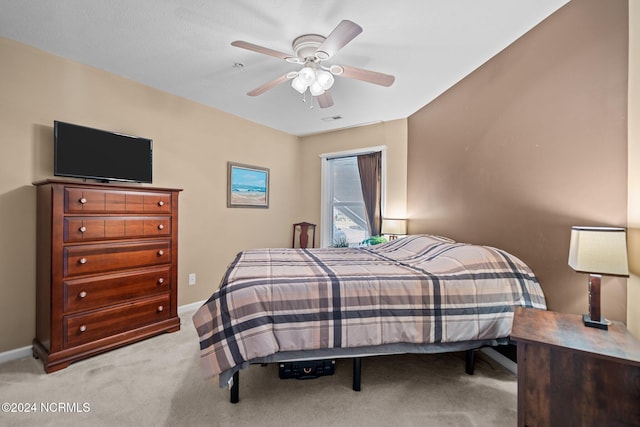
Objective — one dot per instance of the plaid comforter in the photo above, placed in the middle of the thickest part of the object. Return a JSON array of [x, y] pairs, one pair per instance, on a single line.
[[419, 289]]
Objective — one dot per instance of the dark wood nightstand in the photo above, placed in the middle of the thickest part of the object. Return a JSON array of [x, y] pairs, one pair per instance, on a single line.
[[571, 375]]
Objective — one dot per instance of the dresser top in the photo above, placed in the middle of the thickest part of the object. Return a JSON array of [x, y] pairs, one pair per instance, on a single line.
[[567, 331], [115, 185]]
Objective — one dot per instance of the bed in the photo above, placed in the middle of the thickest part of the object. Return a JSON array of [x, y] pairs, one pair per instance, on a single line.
[[419, 294]]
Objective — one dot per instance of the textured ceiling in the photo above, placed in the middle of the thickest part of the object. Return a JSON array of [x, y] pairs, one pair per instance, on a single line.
[[183, 47]]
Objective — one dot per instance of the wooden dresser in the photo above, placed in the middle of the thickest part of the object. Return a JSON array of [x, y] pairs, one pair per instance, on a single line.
[[572, 375], [107, 263]]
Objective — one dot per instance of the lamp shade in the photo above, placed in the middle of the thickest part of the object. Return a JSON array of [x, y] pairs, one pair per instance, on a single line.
[[599, 250], [394, 226]]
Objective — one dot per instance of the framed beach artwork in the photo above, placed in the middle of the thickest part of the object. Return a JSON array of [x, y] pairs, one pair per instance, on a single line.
[[247, 186]]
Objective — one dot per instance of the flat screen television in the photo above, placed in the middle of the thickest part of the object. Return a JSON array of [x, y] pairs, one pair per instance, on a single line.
[[83, 152]]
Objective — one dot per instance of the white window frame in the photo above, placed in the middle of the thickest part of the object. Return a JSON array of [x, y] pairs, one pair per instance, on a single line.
[[325, 205]]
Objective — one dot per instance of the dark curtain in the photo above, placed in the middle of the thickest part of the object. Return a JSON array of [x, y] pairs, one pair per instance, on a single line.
[[370, 169]]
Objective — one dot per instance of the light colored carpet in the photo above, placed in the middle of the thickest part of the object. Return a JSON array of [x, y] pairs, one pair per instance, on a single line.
[[158, 382]]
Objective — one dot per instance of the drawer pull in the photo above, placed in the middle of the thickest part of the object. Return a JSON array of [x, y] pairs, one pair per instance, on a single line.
[[160, 203], [160, 227], [82, 260], [82, 201], [160, 281], [83, 229], [160, 252], [83, 328], [82, 294], [160, 309]]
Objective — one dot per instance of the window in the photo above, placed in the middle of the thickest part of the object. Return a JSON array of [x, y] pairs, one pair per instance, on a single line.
[[348, 218], [343, 210]]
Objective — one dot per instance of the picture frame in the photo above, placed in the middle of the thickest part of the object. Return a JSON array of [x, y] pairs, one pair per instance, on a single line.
[[247, 186]]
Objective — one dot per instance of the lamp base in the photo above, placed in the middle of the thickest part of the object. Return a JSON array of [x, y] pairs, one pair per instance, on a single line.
[[600, 324]]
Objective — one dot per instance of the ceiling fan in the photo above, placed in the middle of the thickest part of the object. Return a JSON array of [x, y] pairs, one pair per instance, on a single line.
[[310, 51]]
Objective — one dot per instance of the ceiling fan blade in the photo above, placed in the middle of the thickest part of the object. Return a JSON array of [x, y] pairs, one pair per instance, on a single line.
[[260, 49], [269, 85], [367, 76], [325, 100], [339, 37]]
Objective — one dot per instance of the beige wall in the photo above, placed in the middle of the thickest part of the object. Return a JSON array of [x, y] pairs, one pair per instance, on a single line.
[[192, 144], [391, 134], [529, 144], [633, 295]]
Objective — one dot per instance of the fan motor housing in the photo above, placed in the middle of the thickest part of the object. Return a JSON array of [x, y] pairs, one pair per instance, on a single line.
[[305, 46]]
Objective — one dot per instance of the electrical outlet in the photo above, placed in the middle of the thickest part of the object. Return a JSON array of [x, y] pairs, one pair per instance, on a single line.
[[192, 279]]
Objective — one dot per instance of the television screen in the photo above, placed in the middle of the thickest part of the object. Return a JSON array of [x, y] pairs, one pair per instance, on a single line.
[[83, 152]]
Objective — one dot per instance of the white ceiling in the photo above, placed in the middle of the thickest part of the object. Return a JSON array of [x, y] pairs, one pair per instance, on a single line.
[[183, 47]]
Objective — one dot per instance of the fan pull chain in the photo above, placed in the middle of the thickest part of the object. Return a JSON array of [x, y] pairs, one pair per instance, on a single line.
[[304, 100]]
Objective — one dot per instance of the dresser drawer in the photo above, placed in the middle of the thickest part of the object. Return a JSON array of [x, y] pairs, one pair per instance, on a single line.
[[78, 229], [90, 259], [77, 200], [94, 292], [84, 328]]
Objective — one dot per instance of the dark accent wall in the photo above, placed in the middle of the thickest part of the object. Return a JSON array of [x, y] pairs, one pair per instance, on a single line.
[[529, 144]]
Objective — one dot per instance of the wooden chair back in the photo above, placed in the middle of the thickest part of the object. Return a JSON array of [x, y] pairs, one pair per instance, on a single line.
[[303, 232]]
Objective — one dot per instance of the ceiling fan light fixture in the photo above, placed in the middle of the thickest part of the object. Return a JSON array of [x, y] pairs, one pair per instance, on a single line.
[[298, 85], [316, 89], [307, 75], [325, 79]]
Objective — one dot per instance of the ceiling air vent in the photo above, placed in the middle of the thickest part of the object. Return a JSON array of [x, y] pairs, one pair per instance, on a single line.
[[331, 119]]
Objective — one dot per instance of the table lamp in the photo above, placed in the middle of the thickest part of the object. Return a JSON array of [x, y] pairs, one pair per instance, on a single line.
[[598, 251], [394, 227]]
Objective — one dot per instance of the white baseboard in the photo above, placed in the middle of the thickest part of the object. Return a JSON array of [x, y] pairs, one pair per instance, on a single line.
[[507, 363], [19, 353], [190, 307], [15, 354]]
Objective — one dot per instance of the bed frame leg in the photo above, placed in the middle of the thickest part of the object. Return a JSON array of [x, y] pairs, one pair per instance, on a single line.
[[357, 373], [469, 362], [235, 388]]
